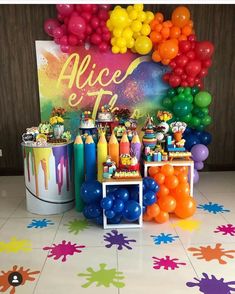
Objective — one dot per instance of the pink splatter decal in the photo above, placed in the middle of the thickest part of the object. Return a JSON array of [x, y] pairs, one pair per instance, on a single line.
[[226, 230], [63, 250], [166, 263]]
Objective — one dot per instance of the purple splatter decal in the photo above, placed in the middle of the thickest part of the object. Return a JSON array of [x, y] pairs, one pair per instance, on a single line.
[[115, 238], [166, 263]]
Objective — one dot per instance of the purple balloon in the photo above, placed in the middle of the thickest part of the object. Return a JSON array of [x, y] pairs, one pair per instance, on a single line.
[[198, 165], [195, 176], [199, 152]]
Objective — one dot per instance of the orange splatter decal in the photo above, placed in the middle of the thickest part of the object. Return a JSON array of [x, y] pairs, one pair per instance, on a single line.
[[15, 277], [208, 253]]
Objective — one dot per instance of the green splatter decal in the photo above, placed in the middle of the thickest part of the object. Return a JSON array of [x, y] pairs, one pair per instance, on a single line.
[[103, 277], [77, 225]]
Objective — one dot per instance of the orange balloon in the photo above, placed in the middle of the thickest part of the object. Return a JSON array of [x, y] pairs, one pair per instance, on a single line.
[[167, 203], [165, 32], [163, 191], [182, 190], [158, 27], [183, 178], [168, 49], [182, 38], [153, 24], [155, 37], [167, 170], [165, 61], [153, 210], [159, 178], [162, 217], [187, 30], [182, 169], [147, 218], [180, 16], [156, 57], [153, 170], [186, 207], [171, 182], [175, 32], [159, 17], [167, 24]]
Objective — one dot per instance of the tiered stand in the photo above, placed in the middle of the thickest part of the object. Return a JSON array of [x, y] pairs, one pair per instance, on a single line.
[[178, 162], [124, 182]]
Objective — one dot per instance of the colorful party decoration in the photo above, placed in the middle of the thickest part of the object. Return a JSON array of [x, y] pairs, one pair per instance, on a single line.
[[227, 229], [117, 239], [90, 159], [113, 147], [213, 207], [188, 224], [166, 263], [16, 245], [77, 225], [102, 152], [40, 223], [164, 238]]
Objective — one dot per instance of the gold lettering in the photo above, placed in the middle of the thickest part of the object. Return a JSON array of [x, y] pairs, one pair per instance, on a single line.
[[72, 99], [72, 75]]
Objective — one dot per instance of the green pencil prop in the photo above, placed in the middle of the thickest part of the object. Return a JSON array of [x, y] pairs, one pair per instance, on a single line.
[[79, 171]]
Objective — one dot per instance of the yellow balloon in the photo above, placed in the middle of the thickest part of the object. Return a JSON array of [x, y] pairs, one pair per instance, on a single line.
[[127, 33], [119, 18], [113, 41], [123, 50], [136, 35], [117, 32], [143, 45], [141, 16], [130, 43], [145, 29], [121, 42], [133, 14], [149, 16], [139, 7], [115, 49], [109, 25], [129, 8], [136, 26]]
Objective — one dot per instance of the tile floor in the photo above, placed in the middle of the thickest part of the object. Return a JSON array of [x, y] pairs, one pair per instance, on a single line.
[[140, 265]]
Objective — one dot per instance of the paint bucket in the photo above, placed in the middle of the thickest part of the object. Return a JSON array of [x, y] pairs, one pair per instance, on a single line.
[[49, 178]]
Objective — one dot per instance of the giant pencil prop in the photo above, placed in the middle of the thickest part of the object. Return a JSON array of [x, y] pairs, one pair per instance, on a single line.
[[90, 159], [79, 176], [102, 151], [114, 149]]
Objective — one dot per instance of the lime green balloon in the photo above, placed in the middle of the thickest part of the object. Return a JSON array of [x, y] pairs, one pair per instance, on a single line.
[[207, 120], [167, 103], [186, 118], [202, 99], [171, 92], [182, 108], [195, 121]]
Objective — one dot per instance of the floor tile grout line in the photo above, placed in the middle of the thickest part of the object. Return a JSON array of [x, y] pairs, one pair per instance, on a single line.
[[40, 274], [186, 252]]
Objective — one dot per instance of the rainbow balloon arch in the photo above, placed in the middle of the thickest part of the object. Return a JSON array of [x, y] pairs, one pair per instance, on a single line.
[[171, 42]]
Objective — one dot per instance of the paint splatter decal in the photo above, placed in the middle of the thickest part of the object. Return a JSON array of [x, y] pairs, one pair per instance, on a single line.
[[118, 239], [15, 246], [163, 238], [213, 208], [40, 223], [166, 263], [77, 225], [226, 230]]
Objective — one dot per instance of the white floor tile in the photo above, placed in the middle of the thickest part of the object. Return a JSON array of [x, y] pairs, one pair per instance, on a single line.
[[12, 187], [8, 205]]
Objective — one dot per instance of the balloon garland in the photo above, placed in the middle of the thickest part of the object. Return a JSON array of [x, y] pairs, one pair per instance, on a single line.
[[172, 42]]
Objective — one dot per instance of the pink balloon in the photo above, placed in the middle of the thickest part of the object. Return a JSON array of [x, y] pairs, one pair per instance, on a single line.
[[106, 37], [103, 47], [49, 25], [60, 17], [73, 40], [105, 6], [65, 48], [86, 7], [86, 16], [95, 22], [193, 68], [88, 29], [103, 15], [65, 9], [96, 39], [64, 41], [58, 33], [77, 25]]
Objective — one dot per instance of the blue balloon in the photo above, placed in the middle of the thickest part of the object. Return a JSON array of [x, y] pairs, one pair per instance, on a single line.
[[149, 198], [150, 184], [122, 194], [134, 193], [118, 205], [187, 131], [99, 220], [106, 203], [111, 195], [132, 211], [116, 219], [205, 138], [92, 211], [109, 213], [191, 140], [91, 191], [111, 189], [144, 209]]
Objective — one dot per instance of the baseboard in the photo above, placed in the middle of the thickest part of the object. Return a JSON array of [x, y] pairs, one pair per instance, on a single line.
[[11, 172]]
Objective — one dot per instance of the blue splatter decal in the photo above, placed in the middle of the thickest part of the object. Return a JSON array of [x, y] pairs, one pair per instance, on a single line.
[[40, 223], [163, 238], [213, 208]]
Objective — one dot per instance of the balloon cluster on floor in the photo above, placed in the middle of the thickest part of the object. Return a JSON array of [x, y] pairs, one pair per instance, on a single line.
[[79, 24], [172, 196]]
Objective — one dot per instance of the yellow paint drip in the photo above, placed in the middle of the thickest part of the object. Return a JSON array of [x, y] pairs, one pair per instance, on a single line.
[[15, 246], [188, 225]]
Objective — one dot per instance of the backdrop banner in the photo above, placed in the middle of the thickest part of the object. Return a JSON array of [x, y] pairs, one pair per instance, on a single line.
[[88, 79]]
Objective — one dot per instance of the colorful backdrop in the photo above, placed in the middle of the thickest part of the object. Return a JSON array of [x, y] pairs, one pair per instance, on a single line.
[[87, 79]]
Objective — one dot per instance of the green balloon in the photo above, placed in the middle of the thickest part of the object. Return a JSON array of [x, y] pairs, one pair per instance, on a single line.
[[195, 90], [182, 108], [171, 93], [175, 99], [189, 98], [180, 90], [167, 103], [207, 120], [205, 110], [200, 127], [187, 91], [202, 99], [196, 110], [181, 97], [195, 121], [186, 118]]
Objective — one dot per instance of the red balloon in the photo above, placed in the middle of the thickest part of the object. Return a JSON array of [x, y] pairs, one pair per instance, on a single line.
[[72, 40], [174, 81], [184, 46], [103, 47], [106, 37], [178, 71], [49, 25], [74, 13], [193, 68], [105, 30], [184, 84], [192, 38], [95, 22], [87, 16], [203, 72], [60, 17], [181, 60], [65, 9], [96, 39], [88, 29], [58, 32], [183, 77], [204, 50], [77, 25], [191, 55], [103, 15], [105, 6], [166, 77], [207, 63], [86, 7], [172, 64]]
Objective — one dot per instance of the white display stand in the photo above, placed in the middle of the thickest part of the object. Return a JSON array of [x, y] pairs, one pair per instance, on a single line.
[[176, 162], [122, 182]]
